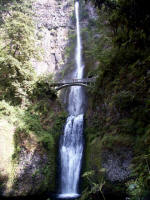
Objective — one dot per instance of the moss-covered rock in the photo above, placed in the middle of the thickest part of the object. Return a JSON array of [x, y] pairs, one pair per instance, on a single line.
[[6, 151]]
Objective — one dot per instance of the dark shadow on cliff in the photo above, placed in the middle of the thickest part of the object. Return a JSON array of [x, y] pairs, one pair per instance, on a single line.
[[38, 197], [3, 181]]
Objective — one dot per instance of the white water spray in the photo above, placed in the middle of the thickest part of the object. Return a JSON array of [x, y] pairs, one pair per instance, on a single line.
[[71, 143]]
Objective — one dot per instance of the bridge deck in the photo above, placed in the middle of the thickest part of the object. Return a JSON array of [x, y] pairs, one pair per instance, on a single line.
[[73, 81]]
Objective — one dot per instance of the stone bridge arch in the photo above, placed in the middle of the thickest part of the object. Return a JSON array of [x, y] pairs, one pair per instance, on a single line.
[[85, 82]]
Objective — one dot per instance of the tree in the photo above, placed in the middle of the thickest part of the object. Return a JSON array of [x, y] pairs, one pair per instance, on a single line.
[[17, 47]]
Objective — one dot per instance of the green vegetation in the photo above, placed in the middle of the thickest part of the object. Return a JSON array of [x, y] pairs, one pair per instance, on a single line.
[[17, 47], [119, 104], [95, 187]]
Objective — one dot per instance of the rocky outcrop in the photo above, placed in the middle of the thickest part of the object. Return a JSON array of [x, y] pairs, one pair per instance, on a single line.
[[53, 21], [24, 167], [117, 164], [6, 152], [31, 170]]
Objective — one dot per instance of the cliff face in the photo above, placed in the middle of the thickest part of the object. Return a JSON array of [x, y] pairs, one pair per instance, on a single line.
[[6, 152], [17, 177], [53, 20]]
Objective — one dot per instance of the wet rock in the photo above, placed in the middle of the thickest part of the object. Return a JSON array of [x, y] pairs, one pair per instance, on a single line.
[[117, 164], [27, 174]]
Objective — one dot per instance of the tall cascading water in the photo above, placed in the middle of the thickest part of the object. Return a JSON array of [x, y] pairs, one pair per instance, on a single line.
[[71, 142]]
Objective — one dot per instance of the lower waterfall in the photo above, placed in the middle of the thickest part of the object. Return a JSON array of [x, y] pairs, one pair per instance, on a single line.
[[71, 142]]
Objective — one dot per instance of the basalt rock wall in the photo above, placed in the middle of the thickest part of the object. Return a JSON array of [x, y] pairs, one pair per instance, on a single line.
[[53, 21]]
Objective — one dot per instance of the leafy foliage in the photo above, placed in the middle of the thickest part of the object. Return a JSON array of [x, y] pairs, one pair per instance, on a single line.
[[94, 188], [17, 47], [108, 3], [121, 94]]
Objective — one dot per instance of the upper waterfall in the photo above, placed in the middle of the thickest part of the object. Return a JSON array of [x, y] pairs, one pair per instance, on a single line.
[[76, 96], [79, 46]]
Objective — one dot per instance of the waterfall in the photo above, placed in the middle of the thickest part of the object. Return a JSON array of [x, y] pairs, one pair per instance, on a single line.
[[71, 142]]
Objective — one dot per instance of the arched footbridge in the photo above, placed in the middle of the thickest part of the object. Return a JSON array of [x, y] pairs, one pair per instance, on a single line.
[[85, 82]]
